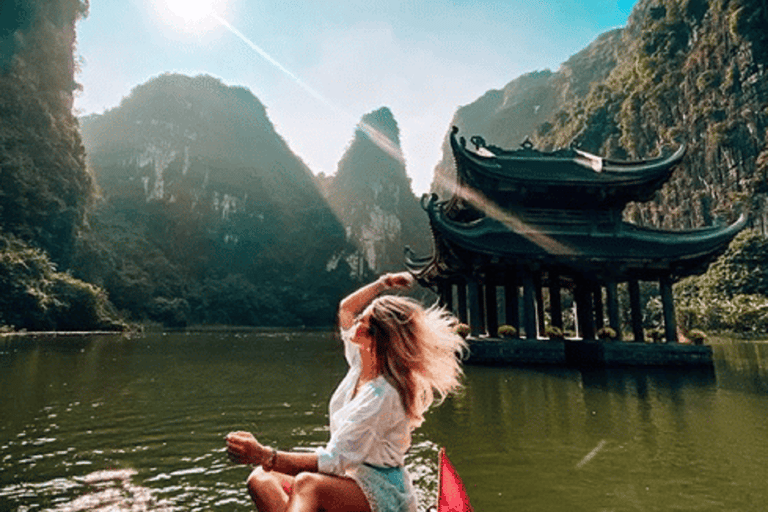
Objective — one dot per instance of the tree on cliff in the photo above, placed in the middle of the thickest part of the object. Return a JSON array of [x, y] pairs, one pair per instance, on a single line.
[[45, 187]]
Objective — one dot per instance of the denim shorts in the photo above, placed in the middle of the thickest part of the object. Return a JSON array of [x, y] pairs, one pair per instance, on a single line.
[[387, 489]]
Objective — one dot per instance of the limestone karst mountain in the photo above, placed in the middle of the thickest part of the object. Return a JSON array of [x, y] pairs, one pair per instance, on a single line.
[[372, 196], [207, 215], [692, 71], [508, 116]]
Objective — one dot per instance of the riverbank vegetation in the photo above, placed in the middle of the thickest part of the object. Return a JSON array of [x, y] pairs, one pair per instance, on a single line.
[[732, 295], [36, 297]]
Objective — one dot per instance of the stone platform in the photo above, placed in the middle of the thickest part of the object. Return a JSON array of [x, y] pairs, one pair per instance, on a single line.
[[586, 354]]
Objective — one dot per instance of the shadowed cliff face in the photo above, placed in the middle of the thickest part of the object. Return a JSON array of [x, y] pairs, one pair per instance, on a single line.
[[44, 185], [372, 196], [692, 71], [212, 199]]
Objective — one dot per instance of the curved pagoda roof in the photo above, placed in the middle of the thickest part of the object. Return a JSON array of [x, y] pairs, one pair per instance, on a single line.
[[621, 250], [569, 178]]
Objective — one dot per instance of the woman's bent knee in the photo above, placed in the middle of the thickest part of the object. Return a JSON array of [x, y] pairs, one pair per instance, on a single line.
[[266, 491], [259, 481], [306, 482]]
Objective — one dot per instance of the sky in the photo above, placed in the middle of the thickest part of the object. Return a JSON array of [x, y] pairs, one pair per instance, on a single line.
[[319, 66]]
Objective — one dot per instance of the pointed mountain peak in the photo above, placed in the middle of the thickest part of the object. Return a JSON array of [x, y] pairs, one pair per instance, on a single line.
[[380, 124]]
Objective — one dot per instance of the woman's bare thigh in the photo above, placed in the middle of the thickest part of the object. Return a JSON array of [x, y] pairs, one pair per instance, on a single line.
[[318, 491]]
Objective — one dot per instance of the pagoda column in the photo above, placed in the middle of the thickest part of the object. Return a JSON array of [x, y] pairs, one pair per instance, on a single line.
[[445, 289], [491, 307], [511, 301], [612, 296], [540, 314], [475, 313], [481, 300], [555, 300], [635, 310], [529, 306], [461, 299], [584, 310], [597, 295], [668, 307]]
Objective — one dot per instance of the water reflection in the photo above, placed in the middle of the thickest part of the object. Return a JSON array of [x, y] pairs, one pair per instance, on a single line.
[[137, 424], [742, 366], [603, 440]]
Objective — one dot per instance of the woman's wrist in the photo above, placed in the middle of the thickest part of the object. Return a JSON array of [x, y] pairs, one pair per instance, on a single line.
[[269, 458]]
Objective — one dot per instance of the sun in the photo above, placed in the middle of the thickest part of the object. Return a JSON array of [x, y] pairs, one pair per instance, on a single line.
[[190, 15]]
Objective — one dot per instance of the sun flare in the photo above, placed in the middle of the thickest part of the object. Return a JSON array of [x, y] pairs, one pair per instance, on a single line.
[[190, 15]]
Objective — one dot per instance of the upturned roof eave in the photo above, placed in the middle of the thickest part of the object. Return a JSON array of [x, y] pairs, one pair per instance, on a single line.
[[630, 243], [611, 173]]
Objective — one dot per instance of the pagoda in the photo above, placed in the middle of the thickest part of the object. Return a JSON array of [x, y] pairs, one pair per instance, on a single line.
[[528, 221]]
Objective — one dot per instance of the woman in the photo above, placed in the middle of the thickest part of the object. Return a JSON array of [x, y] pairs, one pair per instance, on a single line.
[[401, 357]]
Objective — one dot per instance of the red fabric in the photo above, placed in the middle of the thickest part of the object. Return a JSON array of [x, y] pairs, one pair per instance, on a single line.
[[452, 496]]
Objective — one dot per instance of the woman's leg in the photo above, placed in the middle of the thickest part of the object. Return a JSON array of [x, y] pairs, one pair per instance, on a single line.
[[267, 489], [318, 491]]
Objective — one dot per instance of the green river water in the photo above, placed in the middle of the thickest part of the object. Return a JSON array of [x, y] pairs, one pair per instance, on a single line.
[[133, 424]]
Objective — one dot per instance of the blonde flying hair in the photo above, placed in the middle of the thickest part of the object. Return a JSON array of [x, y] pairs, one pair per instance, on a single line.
[[417, 350]]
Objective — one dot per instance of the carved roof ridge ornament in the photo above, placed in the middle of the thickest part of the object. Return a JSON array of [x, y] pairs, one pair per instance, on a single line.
[[573, 153], [589, 160]]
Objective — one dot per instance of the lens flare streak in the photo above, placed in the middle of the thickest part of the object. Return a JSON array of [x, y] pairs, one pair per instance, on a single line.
[[591, 455], [376, 136], [492, 210]]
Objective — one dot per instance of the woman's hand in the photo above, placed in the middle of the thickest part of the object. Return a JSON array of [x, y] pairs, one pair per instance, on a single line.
[[398, 281], [243, 448], [357, 301]]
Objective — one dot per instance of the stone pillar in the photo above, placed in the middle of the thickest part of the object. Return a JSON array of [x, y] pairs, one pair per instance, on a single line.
[[529, 306], [540, 313], [475, 313], [668, 307], [584, 310], [636, 311], [612, 296], [597, 293], [461, 298], [555, 300], [491, 307], [511, 301], [481, 298], [446, 295]]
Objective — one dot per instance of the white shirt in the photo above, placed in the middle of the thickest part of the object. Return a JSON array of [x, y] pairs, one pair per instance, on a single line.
[[370, 427]]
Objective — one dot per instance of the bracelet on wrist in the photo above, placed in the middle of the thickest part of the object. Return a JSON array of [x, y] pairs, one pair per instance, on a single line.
[[270, 462]]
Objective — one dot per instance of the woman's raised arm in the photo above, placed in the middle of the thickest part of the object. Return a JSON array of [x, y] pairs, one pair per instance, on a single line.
[[357, 301]]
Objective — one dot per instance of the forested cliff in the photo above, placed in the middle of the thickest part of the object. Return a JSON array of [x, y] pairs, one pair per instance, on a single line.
[[45, 187], [372, 196], [691, 71], [205, 215]]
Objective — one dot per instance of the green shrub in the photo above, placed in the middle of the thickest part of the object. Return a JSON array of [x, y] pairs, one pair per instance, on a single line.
[[553, 333], [462, 330], [37, 297], [606, 333], [697, 336], [507, 331], [656, 335]]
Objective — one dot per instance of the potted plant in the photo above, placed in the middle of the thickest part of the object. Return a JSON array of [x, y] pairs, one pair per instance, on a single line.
[[462, 330], [697, 336], [507, 331], [553, 333], [606, 333]]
